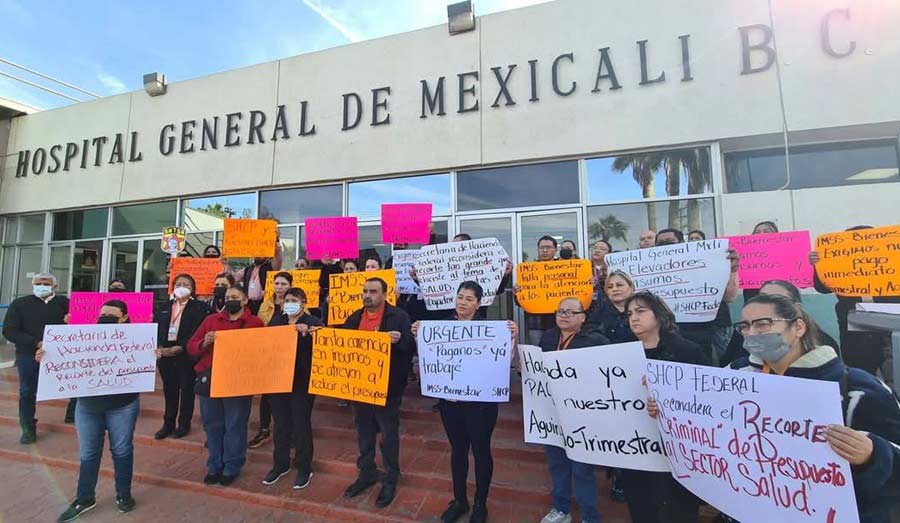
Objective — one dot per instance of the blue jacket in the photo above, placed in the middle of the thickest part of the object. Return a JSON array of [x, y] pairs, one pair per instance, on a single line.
[[871, 407]]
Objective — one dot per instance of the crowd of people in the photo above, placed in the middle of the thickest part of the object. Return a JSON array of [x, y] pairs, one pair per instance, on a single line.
[[774, 335]]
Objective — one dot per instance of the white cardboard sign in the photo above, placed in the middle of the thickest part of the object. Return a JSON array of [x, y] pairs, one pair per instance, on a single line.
[[441, 268], [402, 262]]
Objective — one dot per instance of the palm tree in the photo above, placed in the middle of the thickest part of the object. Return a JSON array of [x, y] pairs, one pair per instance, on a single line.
[[643, 169], [608, 228]]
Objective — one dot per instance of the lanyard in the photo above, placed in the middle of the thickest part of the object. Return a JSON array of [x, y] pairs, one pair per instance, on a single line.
[[768, 370], [564, 344]]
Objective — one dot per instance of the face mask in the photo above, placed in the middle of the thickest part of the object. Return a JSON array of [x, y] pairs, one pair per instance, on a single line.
[[182, 292], [211, 255], [566, 254], [117, 289], [292, 308], [42, 291], [665, 242], [107, 319], [233, 306], [769, 347], [219, 292]]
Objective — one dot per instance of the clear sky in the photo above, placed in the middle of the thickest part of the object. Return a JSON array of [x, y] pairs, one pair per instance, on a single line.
[[106, 46]]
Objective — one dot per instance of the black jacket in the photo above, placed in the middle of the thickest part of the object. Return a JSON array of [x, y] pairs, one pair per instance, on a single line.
[[612, 323], [394, 319], [26, 318], [195, 311], [303, 362], [674, 347], [588, 336]]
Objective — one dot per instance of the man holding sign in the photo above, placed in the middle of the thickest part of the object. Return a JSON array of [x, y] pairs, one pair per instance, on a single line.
[[377, 315]]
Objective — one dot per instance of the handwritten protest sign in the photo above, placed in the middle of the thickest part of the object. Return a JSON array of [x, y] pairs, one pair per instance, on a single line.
[[861, 263], [465, 360], [441, 268], [306, 279], [690, 277], [543, 284], [591, 403], [203, 270], [334, 237], [405, 222], [84, 307], [249, 238], [253, 361], [351, 365], [733, 440], [345, 293], [776, 256], [403, 262], [97, 360]]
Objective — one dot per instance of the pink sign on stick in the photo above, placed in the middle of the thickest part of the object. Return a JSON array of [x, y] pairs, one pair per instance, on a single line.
[[84, 307], [775, 256], [335, 237], [405, 222]]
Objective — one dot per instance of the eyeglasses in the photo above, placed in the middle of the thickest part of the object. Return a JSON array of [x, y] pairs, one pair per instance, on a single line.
[[565, 313], [761, 325]]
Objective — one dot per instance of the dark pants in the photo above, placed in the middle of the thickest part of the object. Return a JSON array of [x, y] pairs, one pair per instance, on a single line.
[[225, 423], [28, 382], [70, 409], [293, 423], [265, 411], [370, 419], [178, 376], [565, 474], [91, 427], [655, 497], [470, 425]]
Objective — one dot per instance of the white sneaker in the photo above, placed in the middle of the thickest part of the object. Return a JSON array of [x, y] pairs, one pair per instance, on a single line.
[[555, 516]]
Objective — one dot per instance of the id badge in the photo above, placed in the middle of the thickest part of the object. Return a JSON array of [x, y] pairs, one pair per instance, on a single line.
[[173, 332]]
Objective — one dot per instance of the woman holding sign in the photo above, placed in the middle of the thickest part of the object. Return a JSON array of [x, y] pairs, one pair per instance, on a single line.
[[469, 424], [224, 419], [781, 339], [655, 497], [293, 411]]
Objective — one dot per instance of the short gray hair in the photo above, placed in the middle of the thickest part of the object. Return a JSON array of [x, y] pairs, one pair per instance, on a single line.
[[45, 276]]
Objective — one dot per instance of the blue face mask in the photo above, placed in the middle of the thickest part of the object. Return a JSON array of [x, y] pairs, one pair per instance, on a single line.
[[292, 308], [42, 291], [769, 347]]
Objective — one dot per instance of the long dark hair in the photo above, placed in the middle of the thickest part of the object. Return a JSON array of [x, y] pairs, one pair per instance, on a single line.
[[664, 315], [790, 311]]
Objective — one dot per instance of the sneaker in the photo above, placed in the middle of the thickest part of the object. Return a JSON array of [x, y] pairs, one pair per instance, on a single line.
[[77, 508], [555, 516], [227, 480], [212, 479], [274, 475], [125, 503], [302, 480], [261, 437]]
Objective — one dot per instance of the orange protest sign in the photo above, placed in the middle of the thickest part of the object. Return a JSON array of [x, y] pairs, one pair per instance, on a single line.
[[249, 238], [203, 270], [351, 365], [543, 284], [860, 263], [308, 280], [345, 292], [253, 361]]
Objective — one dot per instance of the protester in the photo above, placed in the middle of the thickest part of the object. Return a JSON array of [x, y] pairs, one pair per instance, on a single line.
[[117, 285], [24, 327], [647, 239], [350, 266], [293, 411], [610, 316], [655, 497], [254, 277], [224, 419], [782, 340], [95, 416], [571, 332], [765, 227], [177, 321], [696, 236], [538, 323], [212, 251], [377, 315], [599, 269], [469, 424], [221, 285], [302, 263], [373, 263], [568, 250]]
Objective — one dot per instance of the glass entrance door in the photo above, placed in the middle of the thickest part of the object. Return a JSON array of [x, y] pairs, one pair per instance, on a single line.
[[86, 260], [141, 264]]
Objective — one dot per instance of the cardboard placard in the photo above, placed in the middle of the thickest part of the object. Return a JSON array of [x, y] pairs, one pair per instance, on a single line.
[[775, 256], [203, 270], [84, 307], [173, 240], [306, 279], [97, 360], [441, 268], [405, 222], [403, 263], [542, 285], [345, 293], [860, 263], [253, 361], [334, 237], [246, 238], [351, 365]]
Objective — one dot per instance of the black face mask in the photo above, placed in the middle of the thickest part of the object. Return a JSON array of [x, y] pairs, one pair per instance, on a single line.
[[566, 254], [219, 292], [233, 306], [666, 242], [116, 289], [107, 319], [211, 255]]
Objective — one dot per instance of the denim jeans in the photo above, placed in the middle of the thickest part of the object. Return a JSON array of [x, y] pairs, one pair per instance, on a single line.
[[91, 426], [28, 382], [563, 472], [225, 422]]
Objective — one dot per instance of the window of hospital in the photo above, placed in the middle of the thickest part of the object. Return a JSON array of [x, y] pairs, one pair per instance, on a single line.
[[296, 205], [365, 198], [147, 218], [650, 175], [827, 165], [533, 185], [209, 214], [621, 225], [75, 225], [31, 228]]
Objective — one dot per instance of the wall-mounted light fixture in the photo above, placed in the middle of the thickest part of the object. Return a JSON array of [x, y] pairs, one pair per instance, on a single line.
[[155, 84], [460, 17]]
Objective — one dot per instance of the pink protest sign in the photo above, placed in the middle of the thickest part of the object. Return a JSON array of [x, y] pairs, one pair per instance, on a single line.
[[405, 222], [775, 256], [84, 307], [334, 237]]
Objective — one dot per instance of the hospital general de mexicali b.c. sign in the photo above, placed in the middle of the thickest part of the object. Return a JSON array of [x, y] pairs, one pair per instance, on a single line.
[[439, 96]]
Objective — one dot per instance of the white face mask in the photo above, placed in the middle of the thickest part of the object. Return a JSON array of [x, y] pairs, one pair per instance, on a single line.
[[42, 291], [181, 292], [292, 308]]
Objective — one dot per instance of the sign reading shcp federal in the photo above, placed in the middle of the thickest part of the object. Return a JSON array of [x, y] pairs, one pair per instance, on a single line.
[[236, 129]]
